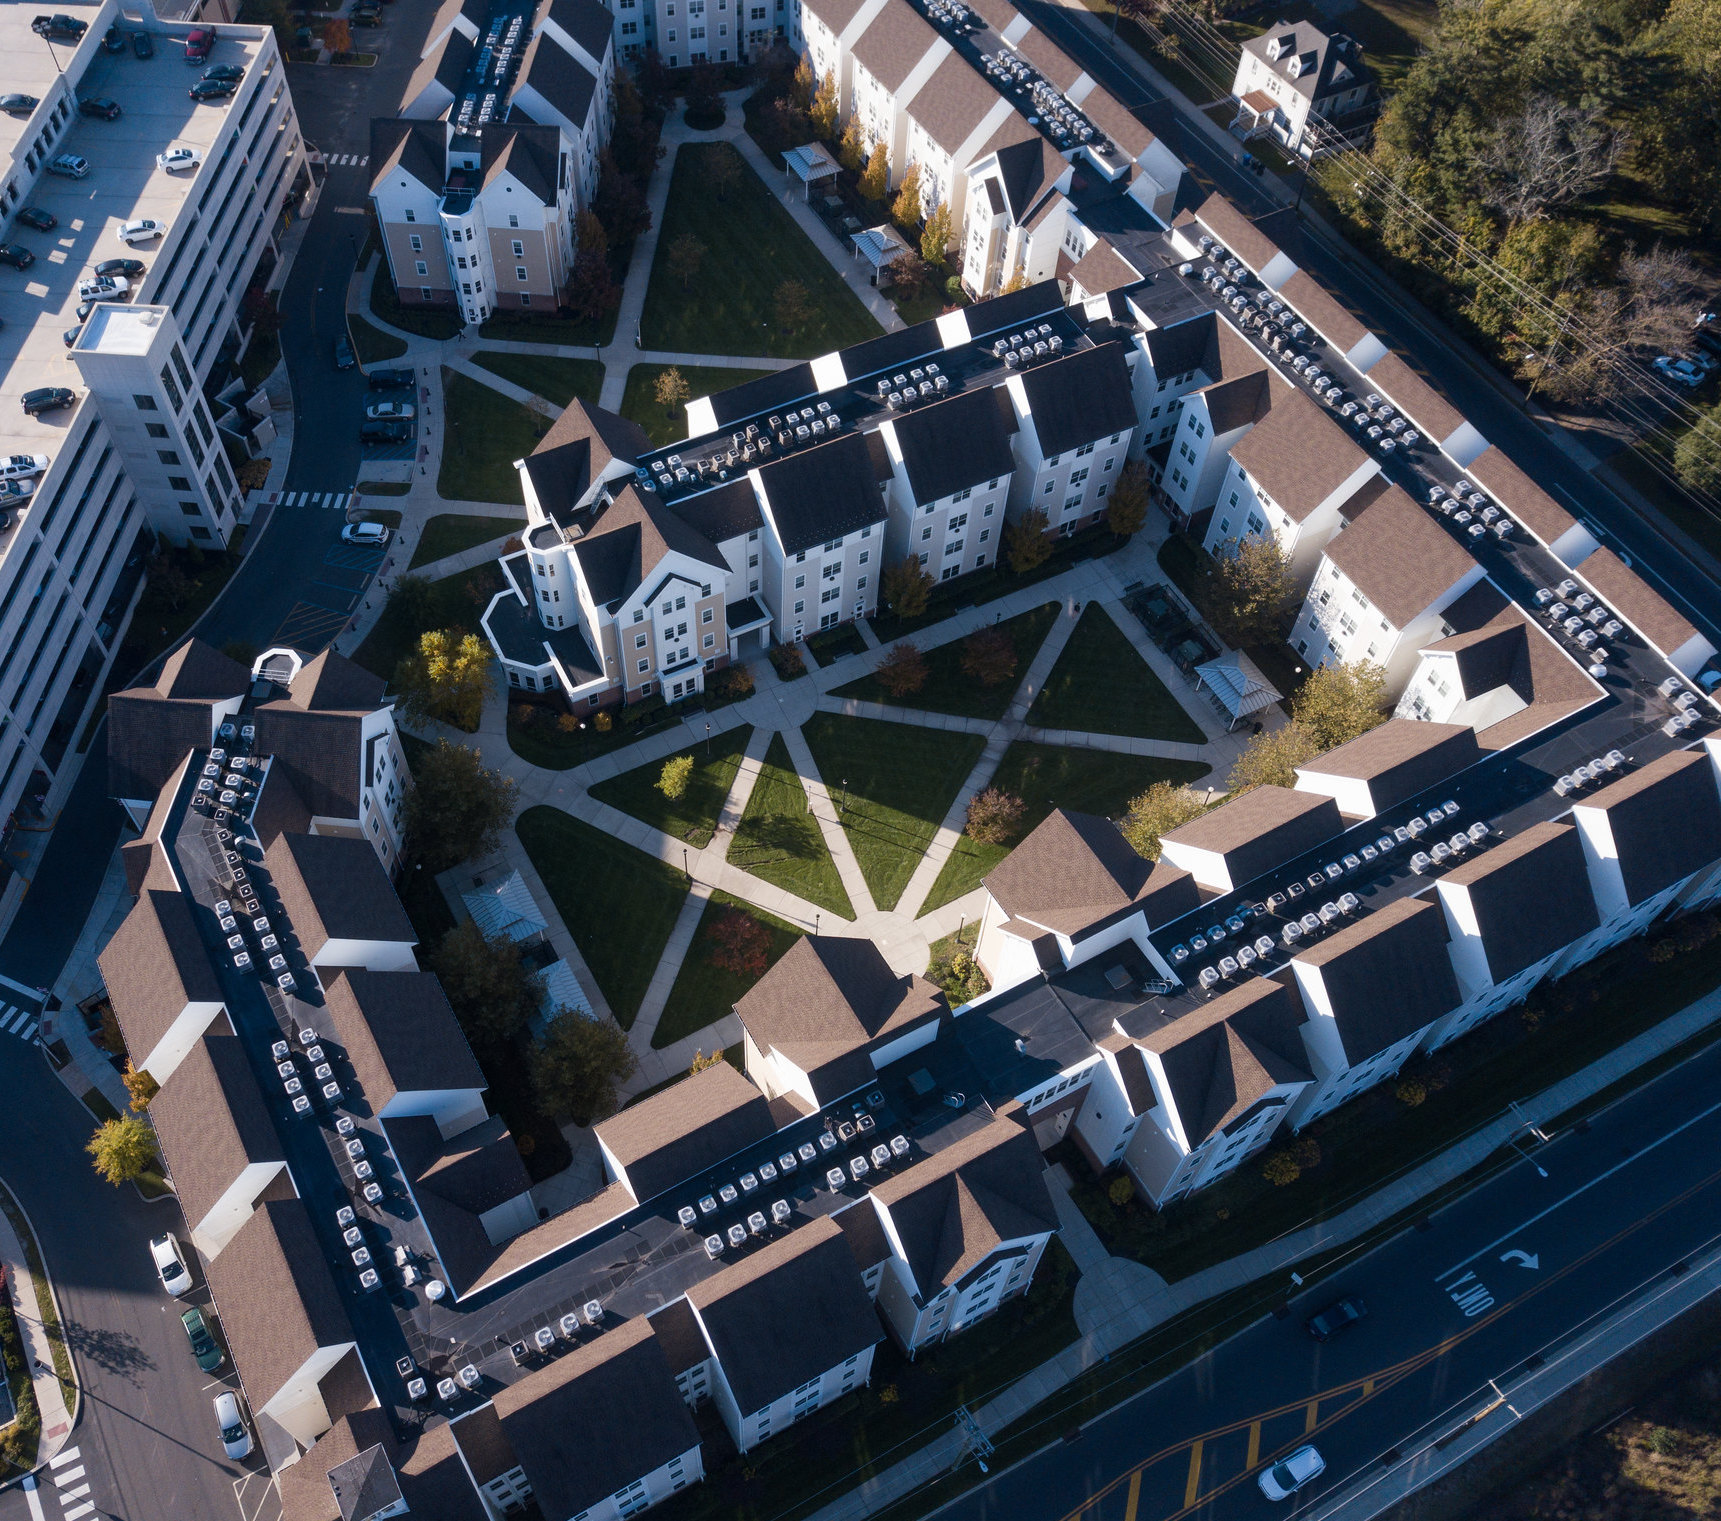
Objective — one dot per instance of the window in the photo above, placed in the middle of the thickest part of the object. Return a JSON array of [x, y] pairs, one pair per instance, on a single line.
[[409, 215], [800, 581], [417, 243], [145, 403], [156, 430], [520, 271], [985, 534], [800, 606], [639, 615], [830, 594], [519, 249], [706, 616], [639, 641], [926, 533], [422, 269], [1051, 486], [644, 666], [514, 221], [860, 585], [953, 549], [424, 292], [200, 532], [710, 639], [191, 509], [752, 562]]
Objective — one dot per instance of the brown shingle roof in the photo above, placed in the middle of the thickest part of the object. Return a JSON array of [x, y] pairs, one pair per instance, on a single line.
[[334, 888], [1102, 270], [1399, 558], [1297, 453], [399, 1034], [1260, 830], [1386, 976], [582, 443], [1665, 819], [1075, 869], [630, 540], [1415, 397], [677, 1330], [1630, 596], [151, 727], [1236, 232], [864, 1234], [835, 14], [895, 40], [1530, 894], [1318, 305], [432, 1480], [1494, 470], [953, 103], [212, 1123], [154, 966], [1400, 758], [1239, 401], [1050, 59], [686, 1129]]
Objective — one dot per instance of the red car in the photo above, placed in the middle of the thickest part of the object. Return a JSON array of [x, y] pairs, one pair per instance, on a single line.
[[198, 44]]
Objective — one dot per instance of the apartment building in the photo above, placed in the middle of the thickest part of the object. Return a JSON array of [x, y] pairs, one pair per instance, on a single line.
[[1294, 73], [476, 185], [951, 468], [134, 458], [1254, 833], [1075, 419], [1389, 764]]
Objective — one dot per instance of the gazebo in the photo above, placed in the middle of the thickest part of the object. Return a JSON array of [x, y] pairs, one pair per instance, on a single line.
[[1236, 681], [881, 247], [811, 165]]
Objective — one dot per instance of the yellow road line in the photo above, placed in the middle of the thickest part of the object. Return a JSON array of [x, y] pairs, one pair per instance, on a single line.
[[1253, 1456], [1193, 1487], [1367, 1387], [1311, 1417], [1134, 1496]]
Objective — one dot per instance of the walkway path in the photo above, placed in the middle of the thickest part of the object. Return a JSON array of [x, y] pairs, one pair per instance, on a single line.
[[38, 1351]]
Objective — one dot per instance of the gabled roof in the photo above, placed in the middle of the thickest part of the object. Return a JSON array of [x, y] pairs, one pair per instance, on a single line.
[[334, 888], [686, 1129], [415, 149], [1075, 869], [953, 444], [725, 512], [212, 1123], [1665, 819], [787, 1313], [474, 1171], [1386, 976], [953, 103], [330, 683], [445, 65], [676, 1328], [1495, 471], [895, 40], [1317, 305], [835, 14], [201, 673], [529, 151], [1399, 758], [1236, 232], [1486, 658], [1260, 829], [154, 966], [1239, 402], [1530, 895], [1028, 166], [1079, 398], [822, 493], [629, 541], [864, 1234], [1297, 454], [399, 1034], [582, 443], [1102, 270], [1331, 63], [151, 727], [1645, 609], [1420, 402], [1400, 558], [587, 22], [427, 1470]]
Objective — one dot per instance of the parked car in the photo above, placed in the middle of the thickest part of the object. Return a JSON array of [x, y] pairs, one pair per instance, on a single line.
[[380, 411], [212, 89], [72, 334], [98, 105], [344, 356], [74, 166], [365, 16], [34, 216], [14, 465], [16, 493], [385, 432], [142, 230], [131, 268], [235, 1437], [17, 255], [59, 28], [47, 399], [108, 288], [1680, 371], [1281, 1480], [390, 380], [1341, 1313], [365, 533], [17, 104], [203, 1344], [114, 40], [176, 159], [142, 45], [232, 71], [199, 43], [169, 1260]]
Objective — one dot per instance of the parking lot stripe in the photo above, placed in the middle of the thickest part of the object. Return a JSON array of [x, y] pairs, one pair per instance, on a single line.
[[74, 1494], [1193, 1486], [1367, 1387], [30, 1033], [64, 1458], [1134, 1496], [82, 1510], [1253, 1455]]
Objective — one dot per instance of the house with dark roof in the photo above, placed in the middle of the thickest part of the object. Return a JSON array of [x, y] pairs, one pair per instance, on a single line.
[[1075, 417], [1194, 1096], [685, 1130], [1373, 992], [163, 990], [1294, 72], [1255, 832], [359, 1470], [341, 903], [829, 1015], [1389, 764]]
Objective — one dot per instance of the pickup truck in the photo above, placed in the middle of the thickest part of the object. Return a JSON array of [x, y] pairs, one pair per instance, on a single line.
[[59, 28]]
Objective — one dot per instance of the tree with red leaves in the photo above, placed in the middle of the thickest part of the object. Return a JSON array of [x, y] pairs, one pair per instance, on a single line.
[[739, 944]]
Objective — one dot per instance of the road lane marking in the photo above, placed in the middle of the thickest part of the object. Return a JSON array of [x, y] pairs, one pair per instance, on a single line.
[[1311, 1417], [1253, 1455], [69, 1475], [64, 1458], [33, 1498], [1134, 1496], [1192, 1487], [1367, 1387], [1576, 1192]]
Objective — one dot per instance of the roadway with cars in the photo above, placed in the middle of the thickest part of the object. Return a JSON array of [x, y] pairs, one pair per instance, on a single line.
[[1489, 1282]]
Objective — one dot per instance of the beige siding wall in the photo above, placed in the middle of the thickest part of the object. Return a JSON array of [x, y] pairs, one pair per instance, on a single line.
[[404, 261], [540, 282]]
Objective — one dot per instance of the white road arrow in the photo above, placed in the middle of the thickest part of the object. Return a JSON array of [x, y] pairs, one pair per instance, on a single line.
[[1522, 1258]]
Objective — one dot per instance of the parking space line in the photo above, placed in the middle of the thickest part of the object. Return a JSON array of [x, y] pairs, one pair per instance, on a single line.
[[74, 1494], [1134, 1496], [32, 1498], [1253, 1455], [1367, 1387], [1311, 1417], [1193, 1486]]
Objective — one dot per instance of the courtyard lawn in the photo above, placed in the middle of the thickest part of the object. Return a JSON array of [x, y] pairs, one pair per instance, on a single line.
[[779, 840], [831, 644], [893, 784], [949, 690], [639, 401], [1100, 685], [752, 247], [618, 903], [556, 379], [703, 992], [371, 344], [439, 322], [456, 601], [693, 816], [448, 533], [486, 433], [1054, 776]]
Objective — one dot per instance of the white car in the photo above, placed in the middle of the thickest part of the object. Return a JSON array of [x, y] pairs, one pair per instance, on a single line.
[[365, 533], [1681, 371], [176, 159], [13, 465], [14, 492], [1281, 1480], [235, 1437], [143, 230], [170, 1265], [108, 288], [385, 411]]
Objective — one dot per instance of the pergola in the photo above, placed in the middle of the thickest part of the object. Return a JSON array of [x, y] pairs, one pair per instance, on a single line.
[[1238, 684], [811, 165], [880, 246]]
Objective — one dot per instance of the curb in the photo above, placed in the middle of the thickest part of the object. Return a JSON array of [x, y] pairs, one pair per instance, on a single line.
[[47, 1448]]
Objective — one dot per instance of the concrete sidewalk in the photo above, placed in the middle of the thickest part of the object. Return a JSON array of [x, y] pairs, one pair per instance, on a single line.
[[38, 1351]]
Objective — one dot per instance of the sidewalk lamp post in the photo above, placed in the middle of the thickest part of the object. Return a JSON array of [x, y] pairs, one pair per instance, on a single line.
[[685, 871], [708, 739]]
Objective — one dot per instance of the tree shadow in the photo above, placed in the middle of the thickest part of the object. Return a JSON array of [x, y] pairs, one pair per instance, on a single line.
[[117, 1352]]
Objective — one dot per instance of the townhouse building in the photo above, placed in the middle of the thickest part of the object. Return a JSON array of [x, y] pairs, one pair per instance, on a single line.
[[1388, 765], [1294, 74], [477, 183], [1075, 422], [1252, 834]]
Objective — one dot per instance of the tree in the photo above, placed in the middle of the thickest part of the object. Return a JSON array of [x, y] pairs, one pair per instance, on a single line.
[[672, 780], [803, 85], [620, 203], [411, 602], [684, 256], [1547, 155], [823, 111], [875, 178], [704, 97], [794, 305], [739, 943], [903, 669], [337, 36], [1120, 1190], [910, 275], [124, 1149], [989, 656], [1280, 1169], [1272, 758], [448, 679], [167, 581], [994, 816], [1026, 541], [1126, 507], [935, 236], [140, 1085], [906, 209], [592, 289], [1338, 702], [1157, 812], [1250, 590], [906, 586], [1697, 455], [671, 390], [589, 234], [492, 992], [701, 1062], [851, 151], [273, 13], [456, 809], [579, 1065], [724, 172], [1016, 282]]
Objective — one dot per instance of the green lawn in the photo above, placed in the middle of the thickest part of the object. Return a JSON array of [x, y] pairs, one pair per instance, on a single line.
[[895, 784], [704, 993], [692, 817], [556, 379], [542, 326], [439, 322], [371, 344], [1102, 686], [544, 742], [1053, 776], [639, 401], [753, 246], [456, 601], [948, 690], [486, 433], [832, 644], [618, 903], [450, 532], [780, 841]]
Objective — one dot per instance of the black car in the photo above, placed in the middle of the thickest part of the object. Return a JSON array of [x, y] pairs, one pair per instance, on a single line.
[[17, 255], [212, 89], [71, 334], [344, 359], [48, 399], [34, 216], [365, 17], [141, 45], [391, 380], [397, 431], [126, 267], [59, 28], [114, 40], [1339, 1314], [98, 105], [17, 105], [232, 71]]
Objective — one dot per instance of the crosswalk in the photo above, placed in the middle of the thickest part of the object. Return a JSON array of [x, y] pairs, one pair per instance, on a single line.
[[68, 1475], [19, 1022], [341, 160], [333, 501]]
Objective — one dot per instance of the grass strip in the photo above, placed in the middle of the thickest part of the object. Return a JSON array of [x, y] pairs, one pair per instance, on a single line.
[[779, 840]]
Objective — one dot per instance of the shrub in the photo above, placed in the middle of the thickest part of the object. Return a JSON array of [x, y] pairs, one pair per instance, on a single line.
[[989, 656], [1410, 1093], [672, 780], [525, 714], [604, 722], [1280, 1169], [733, 681], [568, 723], [994, 816], [636, 713], [740, 943], [1306, 1151], [788, 662], [1121, 1190], [903, 669], [888, 1395]]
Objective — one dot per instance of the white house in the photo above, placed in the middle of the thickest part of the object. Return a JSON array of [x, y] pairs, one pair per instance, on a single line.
[[340, 903], [1294, 72], [1075, 420], [951, 467], [1662, 627]]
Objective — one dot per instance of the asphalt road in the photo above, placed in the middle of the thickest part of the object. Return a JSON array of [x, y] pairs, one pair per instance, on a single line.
[[1491, 1281]]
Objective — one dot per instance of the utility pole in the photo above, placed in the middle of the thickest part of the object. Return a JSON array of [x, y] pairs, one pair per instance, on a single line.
[[974, 1441]]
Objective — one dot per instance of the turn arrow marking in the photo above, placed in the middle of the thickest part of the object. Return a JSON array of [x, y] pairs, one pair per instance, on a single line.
[[1522, 1258]]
